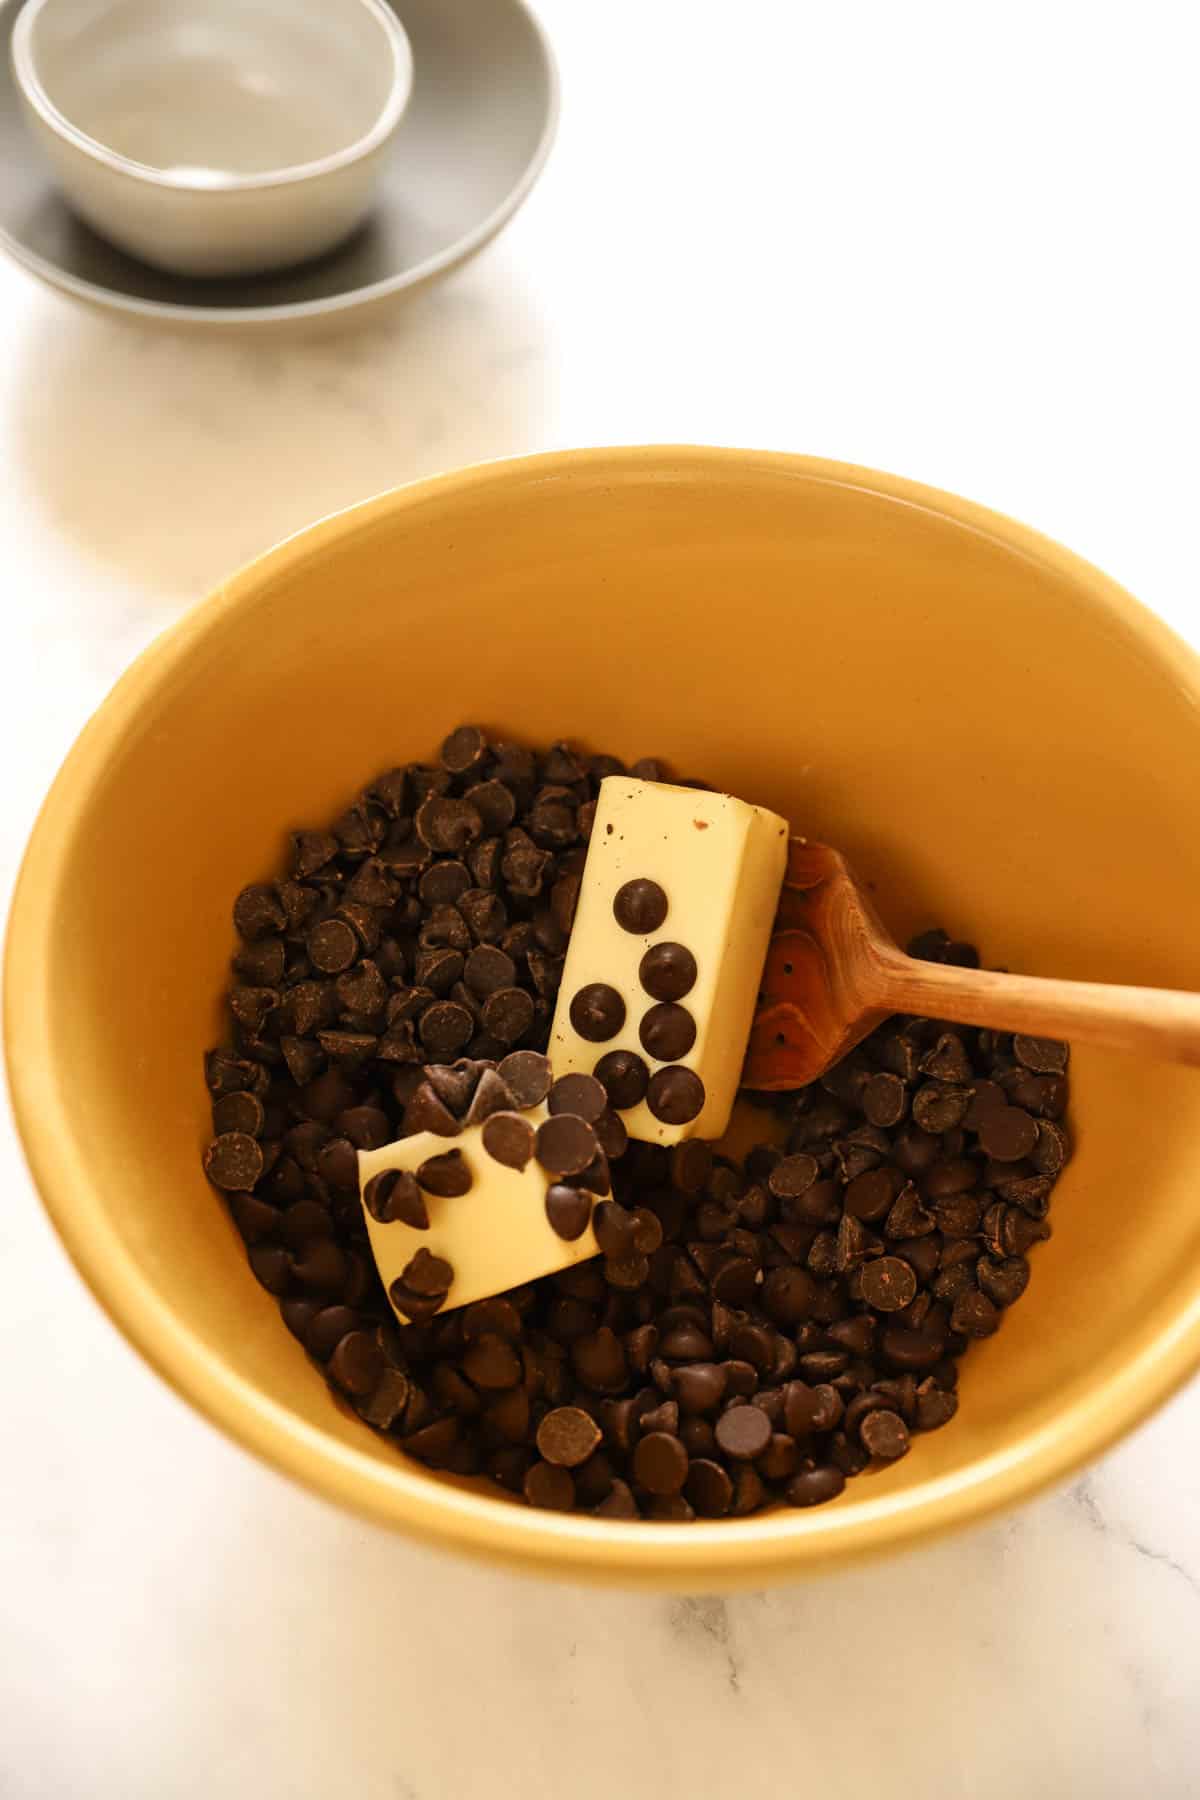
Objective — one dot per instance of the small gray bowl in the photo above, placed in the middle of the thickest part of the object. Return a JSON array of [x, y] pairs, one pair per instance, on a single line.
[[215, 137]]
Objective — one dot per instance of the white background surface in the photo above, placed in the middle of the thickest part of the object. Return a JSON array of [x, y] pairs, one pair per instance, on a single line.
[[954, 241]]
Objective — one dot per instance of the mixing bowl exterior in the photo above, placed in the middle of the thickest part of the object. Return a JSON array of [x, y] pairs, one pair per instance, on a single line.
[[1000, 738]]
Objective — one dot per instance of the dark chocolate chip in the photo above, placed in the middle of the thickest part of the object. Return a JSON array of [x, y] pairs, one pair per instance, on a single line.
[[356, 1364], [495, 805], [675, 1095], [1045, 1056], [550, 1487], [508, 1014], [937, 1107], [624, 1077], [667, 971], [568, 1211], [870, 1196], [640, 906], [234, 1161], [583, 1095], [667, 1032], [660, 1463], [241, 1113], [332, 946], [743, 1432], [508, 1138], [1007, 1134], [793, 1176], [464, 749], [527, 1075], [566, 1145], [488, 971], [446, 1175], [884, 1100], [393, 1196], [427, 1274], [446, 1028], [884, 1434], [491, 1096], [597, 1012], [815, 1484], [492, 1363], [888, 1284], [567, 1436]]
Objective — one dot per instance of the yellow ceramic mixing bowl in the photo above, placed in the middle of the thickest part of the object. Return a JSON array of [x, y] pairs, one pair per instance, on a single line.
[[1002, 740]]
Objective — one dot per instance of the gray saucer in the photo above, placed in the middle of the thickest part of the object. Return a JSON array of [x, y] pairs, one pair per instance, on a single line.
[[471, 145]]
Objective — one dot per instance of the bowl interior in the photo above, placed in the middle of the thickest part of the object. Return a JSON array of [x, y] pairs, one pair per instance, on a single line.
[[999, 740], [233, 88]]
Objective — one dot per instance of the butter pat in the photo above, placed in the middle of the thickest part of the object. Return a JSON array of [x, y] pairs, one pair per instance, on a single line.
[[663, 969], [494, 1236]]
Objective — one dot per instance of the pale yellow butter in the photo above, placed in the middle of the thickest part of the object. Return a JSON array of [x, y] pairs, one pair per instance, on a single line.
[[494, 1237], [721, 864]]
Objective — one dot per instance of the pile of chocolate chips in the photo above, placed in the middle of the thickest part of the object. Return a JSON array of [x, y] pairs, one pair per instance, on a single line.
[[751, 1333]]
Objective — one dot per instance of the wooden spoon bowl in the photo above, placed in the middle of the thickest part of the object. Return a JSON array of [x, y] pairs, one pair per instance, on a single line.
[[832, 974]]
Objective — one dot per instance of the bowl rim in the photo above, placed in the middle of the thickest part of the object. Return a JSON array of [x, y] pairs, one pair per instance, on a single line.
[[23, 54], [720, 1554]]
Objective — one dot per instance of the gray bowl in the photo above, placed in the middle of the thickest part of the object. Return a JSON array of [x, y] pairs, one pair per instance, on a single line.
[[476, 133]]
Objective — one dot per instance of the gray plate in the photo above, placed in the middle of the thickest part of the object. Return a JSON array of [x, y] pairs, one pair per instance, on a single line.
[[471, 145]]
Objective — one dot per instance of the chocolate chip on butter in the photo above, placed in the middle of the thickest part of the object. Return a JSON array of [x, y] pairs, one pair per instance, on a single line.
[[667, 1032], [427, 1274], [566, 1145], [668, 971], [582, 1095], [675, 1095], [446, 1175], [527, 1075], [640, 906], [597, 1012], [394, 1196], [568, 1211], [624, 1077], [508, 1138]]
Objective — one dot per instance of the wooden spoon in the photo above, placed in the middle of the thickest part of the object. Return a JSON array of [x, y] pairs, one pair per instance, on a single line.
[[833, 973]]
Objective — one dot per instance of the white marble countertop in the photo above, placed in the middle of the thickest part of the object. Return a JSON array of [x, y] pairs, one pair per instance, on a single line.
[[946, 240]]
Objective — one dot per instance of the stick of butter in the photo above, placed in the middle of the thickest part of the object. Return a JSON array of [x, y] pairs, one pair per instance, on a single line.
[[495, 1206], [663, 969]]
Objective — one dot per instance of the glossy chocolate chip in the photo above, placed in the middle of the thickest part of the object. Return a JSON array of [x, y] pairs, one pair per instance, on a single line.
[[640, 906], [527, 1076], [394, 1196], [660, 1463], [624, 1077], [675, 1095], [446, 1175], [568, 1211], [582, 1095], [566, 1145], [667, 1032], [667, 971], [597, 1012], [234, 1161], [508, 1138], [743, 1432], [567, 1436]]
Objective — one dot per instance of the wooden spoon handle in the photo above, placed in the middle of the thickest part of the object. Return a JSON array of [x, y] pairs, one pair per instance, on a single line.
[[1156, 1021]]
